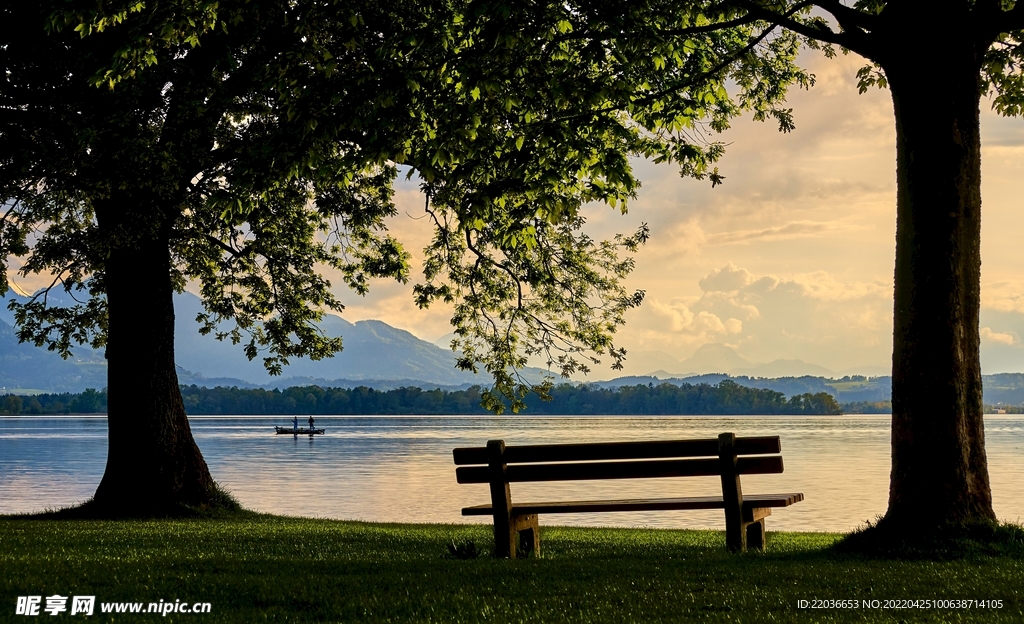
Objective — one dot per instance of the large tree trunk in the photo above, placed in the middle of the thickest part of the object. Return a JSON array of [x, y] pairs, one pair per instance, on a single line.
[[939, 471], [153, 463]]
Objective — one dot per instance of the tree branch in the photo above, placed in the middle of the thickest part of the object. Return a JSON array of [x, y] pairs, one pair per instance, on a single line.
[[481, 257], [14, 206], [234, 253], [678, 32], [696, 30], [679, 86], [849, 40], [715, 70], [848, 17]]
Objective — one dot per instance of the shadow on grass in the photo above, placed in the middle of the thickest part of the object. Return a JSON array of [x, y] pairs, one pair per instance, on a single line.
[[884, 539], [221, 505]]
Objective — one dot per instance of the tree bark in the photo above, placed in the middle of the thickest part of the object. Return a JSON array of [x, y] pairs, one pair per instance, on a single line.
[[939, 470], [153, 462]]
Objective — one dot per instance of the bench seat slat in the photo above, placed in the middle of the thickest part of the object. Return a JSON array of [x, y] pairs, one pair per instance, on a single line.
[[536, 453], [621, 470], [651, 504]]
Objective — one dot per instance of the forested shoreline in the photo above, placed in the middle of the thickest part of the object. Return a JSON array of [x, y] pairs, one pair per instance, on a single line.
[[724, 398]]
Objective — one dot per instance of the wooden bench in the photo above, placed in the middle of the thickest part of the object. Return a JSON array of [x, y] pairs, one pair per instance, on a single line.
[[728, 457]]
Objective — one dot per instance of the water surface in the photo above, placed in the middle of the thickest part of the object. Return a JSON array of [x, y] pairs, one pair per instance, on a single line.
[[399, 469]]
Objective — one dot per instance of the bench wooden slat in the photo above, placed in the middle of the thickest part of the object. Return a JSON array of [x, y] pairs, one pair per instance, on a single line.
[[652, 504], [726, 457], [621, 470], [762, 445]]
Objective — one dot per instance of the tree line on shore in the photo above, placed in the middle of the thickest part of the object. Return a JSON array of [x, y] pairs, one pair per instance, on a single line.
[[723, 398], [91, 401]]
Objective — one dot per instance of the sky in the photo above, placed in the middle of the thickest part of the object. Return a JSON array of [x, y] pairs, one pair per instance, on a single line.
[[792, 257]]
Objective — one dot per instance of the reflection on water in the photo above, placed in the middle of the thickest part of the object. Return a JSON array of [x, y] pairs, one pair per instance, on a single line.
[[399, 469]]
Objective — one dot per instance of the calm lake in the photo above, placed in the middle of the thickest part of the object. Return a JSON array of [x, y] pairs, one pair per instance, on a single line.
[[399, 469]]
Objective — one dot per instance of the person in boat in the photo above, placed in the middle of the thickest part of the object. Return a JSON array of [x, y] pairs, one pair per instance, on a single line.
[[295, 423], [310, 424]]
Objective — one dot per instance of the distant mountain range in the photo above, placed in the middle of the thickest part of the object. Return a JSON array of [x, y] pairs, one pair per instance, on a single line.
[[385, 357], [373, 352], [718, 358], [845, 390], [28, 366]]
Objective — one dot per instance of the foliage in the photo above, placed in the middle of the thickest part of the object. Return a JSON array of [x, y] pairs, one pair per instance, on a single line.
[[724, 398], [565, 399], [89, 402], [868, 407], [558, 99], [210, 152], [259, 568], [259, 141]]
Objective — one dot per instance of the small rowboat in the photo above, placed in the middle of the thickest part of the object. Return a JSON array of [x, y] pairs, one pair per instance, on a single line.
[[299, 431]]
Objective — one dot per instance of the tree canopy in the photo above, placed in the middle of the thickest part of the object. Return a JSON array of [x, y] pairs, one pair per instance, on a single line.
[[261, 142]]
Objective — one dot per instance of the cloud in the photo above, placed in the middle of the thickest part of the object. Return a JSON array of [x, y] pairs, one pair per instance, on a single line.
[[817, 317], [987, 335], [725, 279], [823, 286], [816, 285], [680, 319], [1003, 296], [795, 229], [678, 316], [1002, 131]]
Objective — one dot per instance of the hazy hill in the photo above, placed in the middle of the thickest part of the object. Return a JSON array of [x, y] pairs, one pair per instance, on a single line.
[[788, 386], [714, 358], [27, 367], [845, 390], [782, 368], [709, 358], [1007, 388], [717, 358], [373, 352]]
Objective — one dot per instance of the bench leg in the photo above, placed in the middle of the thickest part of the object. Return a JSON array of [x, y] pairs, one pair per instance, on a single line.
[[753, 526], [755, 535], [504, 540], [735, 535], [528, 527]]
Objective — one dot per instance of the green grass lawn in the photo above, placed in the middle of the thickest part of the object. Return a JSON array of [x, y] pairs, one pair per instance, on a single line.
[[273, 568]]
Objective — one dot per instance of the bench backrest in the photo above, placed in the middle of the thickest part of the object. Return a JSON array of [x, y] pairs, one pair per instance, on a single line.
[[620, 460]]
